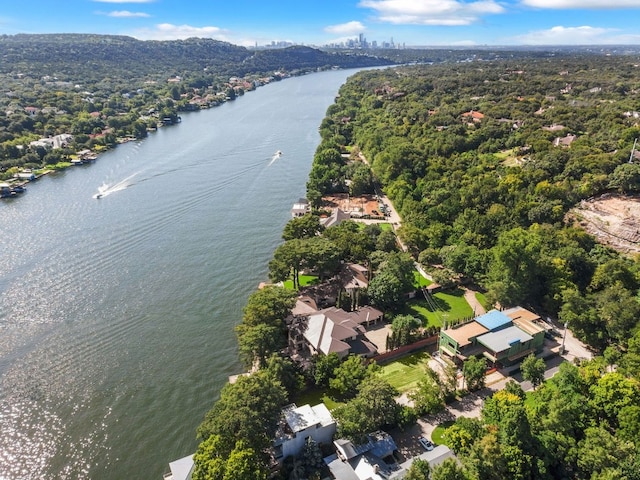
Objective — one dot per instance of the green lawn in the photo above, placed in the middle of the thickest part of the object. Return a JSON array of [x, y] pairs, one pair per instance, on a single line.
[[405, 373], [450, 305], [304, 281], [314, 397], [419, 281], [383, 226], [438, 432], [483, 301]]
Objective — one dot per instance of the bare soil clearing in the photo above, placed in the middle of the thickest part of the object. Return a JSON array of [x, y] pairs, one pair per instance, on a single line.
[[613, 219]]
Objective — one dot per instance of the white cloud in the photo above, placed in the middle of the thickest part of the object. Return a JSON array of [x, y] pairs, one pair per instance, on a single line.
[[349, 28], [127, 14], [432, 12], [168, 31], [584, 35], [582, 4]]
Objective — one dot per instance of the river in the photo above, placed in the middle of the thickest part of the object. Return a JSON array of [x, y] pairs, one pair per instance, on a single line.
[[117, 313]]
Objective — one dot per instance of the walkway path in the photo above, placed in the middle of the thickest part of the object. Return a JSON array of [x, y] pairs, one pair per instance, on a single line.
[[476, 306], [394, 218]]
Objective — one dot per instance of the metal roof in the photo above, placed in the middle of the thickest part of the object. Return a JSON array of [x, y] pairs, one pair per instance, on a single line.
[[493, 320], [503, 339]]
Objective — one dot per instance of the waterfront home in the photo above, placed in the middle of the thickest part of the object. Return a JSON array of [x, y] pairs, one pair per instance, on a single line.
[[180, 469], [27, 175], [300, 208], [298, 424], [333, 330], [336, 218]]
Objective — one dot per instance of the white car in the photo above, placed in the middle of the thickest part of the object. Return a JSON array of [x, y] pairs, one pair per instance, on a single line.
[[427, 444]]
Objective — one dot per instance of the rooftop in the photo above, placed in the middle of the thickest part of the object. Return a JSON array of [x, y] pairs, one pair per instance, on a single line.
[[526, 320], [464, 333], [494, 320], [301, 418], [502, 340]]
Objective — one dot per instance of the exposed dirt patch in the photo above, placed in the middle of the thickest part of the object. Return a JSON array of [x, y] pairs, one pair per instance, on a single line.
[[613, 219], [357, 206]]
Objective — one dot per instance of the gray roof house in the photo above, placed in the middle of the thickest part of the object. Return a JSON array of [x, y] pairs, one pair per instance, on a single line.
[[333, 330], [363, 462]]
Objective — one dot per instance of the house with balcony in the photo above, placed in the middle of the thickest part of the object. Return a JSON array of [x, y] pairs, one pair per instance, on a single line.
[[503, 337]]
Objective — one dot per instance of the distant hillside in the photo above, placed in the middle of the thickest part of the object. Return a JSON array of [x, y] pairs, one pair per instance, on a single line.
[[110, 55]]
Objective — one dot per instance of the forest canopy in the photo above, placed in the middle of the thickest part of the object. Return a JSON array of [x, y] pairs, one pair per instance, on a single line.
[[484, 159]]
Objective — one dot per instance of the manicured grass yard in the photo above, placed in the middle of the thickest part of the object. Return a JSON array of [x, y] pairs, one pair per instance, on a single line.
[[304, 281], [405, 373], [452, 304], [437, 435], [314, 397], [420, 281], [483, 301], [383, 226]]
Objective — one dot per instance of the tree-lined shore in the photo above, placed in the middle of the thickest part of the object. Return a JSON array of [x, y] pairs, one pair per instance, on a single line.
[[483, 160]]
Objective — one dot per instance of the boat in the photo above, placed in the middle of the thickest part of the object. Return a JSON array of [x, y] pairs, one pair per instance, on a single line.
[[279, 153]]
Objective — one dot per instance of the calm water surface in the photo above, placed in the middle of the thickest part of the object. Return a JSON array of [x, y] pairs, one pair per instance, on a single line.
[[117, 314]]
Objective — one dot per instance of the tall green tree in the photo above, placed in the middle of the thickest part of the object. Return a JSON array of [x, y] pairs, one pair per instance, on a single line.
[[428, 397], [257, 343], [533, 370], [269, 305], [474, 370], [419, 470], [306, 226], [348, 376], [450, 469]]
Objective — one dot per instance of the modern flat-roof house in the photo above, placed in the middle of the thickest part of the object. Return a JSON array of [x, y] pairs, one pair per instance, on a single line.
[[300, 423], [503, 337]]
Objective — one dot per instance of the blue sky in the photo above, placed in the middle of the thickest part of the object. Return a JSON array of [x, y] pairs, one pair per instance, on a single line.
[[318, 22]]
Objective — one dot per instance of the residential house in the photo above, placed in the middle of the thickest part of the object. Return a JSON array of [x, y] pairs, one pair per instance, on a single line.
[[57, 141], [336, 218], [554, 128], [502, 337], [473, 116], [372, 460], [354, 277], [332, 330], [180, 469], [300, 208], [564, 141], [435, 457], [299, 424]]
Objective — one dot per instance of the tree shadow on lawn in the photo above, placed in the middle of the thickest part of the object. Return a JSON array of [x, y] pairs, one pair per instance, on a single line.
[[415, 359]]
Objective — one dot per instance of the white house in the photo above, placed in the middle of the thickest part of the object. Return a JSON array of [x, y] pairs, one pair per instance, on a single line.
[[180, 469], [300, 423]]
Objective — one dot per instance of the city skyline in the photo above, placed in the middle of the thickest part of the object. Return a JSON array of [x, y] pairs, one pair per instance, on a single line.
[[408, 22]]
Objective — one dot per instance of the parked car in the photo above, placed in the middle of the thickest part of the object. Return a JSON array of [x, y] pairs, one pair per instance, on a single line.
[[426, 444]]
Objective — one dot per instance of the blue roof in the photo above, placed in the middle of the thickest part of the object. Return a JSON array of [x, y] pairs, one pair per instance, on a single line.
[[494, 320]]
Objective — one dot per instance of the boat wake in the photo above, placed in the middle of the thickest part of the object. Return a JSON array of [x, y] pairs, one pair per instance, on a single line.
[[106, 189], [276, 156]]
